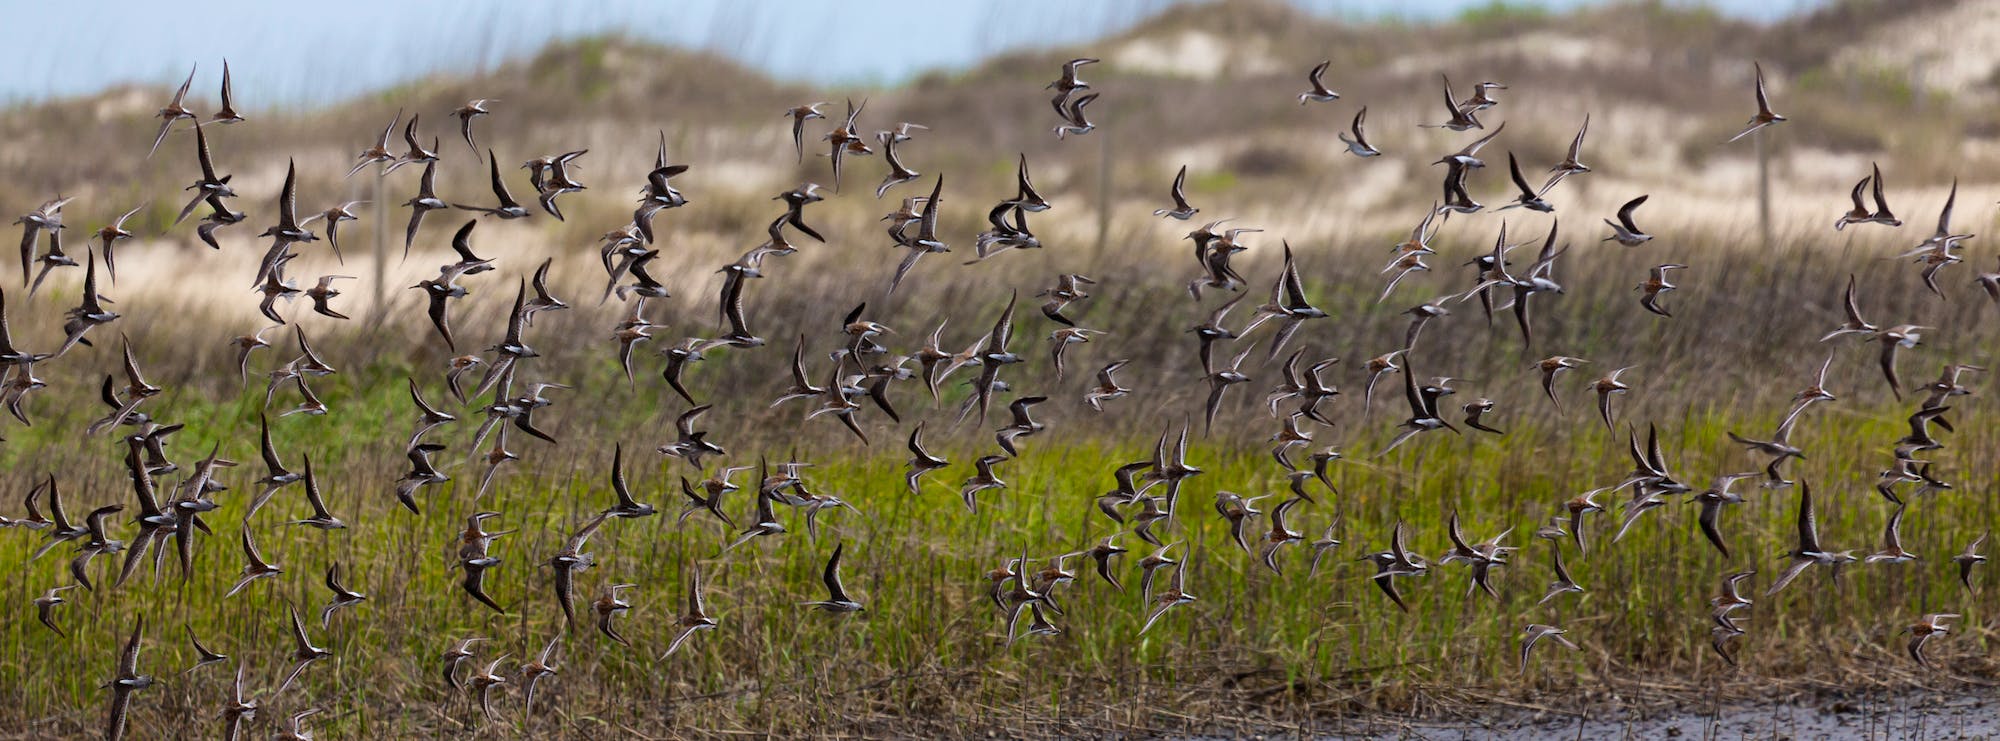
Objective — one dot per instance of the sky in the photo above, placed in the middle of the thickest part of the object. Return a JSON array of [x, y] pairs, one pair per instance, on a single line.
[[307, 53]]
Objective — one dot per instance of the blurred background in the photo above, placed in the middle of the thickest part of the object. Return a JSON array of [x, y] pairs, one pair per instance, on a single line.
[[291, 55]]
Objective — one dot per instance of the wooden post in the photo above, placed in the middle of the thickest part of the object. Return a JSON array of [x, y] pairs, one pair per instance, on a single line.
[[1103, 193], [1763, 188], [378, 312]]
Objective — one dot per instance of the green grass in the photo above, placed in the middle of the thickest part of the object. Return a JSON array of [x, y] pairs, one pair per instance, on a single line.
[[930, 646]]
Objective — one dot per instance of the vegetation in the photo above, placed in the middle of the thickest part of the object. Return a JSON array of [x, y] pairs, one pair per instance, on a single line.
[[1304, 650]]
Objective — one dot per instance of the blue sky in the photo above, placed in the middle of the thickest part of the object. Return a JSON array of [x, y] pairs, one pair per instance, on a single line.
[[308, 53]]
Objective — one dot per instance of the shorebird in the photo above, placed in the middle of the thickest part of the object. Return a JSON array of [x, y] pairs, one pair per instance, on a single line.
[[256, 569], [1358, 144], [607, 607], [342, 596], [1551, 367], [1572, 163], [484, 682], [414, 151], [456, 656], [543, 666], [1534, 633], [240, 709], [1656, 283], [1320, 92], [1074, 121], [1530, 198], [1808, 551], [174, 110], [1712, 500], [126, 681], [1563, 583], [1920, 633], [472, 109], [379, 151], [1181, 209], [1175, 595], [1469, 156], [800, 115], [837, 599], [1462, 118], [1969, 558], [1623, 230], [1764, 115], [695, 619], [1892, 541], [1892, 340], [304, 652], [1854, 324], [1860, 213], [1605, 387]]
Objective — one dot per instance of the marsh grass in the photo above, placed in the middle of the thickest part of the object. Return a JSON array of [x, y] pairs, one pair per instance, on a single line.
[[930, 652], [1311, 653]]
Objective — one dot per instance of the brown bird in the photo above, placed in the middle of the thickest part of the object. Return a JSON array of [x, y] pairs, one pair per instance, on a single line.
[[1921, 633], [175, 110], [695, 619], [126, 681], [1764, 115]]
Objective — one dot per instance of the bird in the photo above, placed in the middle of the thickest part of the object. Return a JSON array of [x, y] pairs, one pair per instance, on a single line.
[[1462, 118], [45, 606], [1358, 145], [1892, 340], [342, 596], [203, 656], [1572, 163], [533, 672], [1860, 214], [1563, 584], [126, 681], [472, 109], [507, 207], [1173, 596], [837, 599], [1605, 388], [1808, 551], [1468, 157], [460, 651], [379, 151], [256, 569], [1712, 500], [1854, 324], [174, 110], [1892, 541], [304, 652], [1181, 210], [609, 605], [1553, 366], [240, 709], [1764, 115], [484, 682], [695, 619], [1530, 198], [425, 202], [1623, 230], [1655, 284], [800, 115], [1923, 630], [1969, 558], [1320, 92], [1534, 633]]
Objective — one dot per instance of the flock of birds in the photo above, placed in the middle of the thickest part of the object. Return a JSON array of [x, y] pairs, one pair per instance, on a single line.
[[863, 371]]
